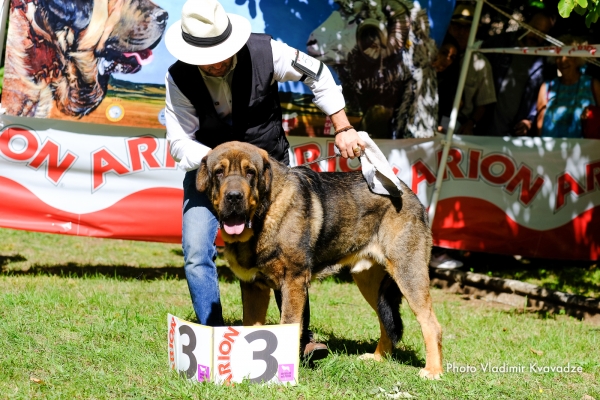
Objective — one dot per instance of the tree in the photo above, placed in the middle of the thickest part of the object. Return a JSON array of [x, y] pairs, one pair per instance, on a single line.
[[589, 8]]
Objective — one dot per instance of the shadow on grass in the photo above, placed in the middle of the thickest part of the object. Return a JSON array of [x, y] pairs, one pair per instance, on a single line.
[[346, 346], [75, 270], [4, 260]]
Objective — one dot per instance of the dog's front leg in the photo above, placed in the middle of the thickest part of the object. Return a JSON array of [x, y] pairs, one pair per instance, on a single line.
[[255, 301], [293, 299]]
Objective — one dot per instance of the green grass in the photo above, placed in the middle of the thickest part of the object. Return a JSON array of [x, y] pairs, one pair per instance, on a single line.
[[104, 335]]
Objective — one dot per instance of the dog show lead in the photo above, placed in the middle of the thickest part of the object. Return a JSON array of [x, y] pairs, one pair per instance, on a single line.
[[221, 63]]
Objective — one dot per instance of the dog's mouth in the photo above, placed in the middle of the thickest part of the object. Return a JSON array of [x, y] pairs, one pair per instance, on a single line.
[[234, 224], [125, 63]]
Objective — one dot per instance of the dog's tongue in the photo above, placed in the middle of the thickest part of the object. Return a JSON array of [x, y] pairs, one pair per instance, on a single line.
[[143, 57], [234, 226]]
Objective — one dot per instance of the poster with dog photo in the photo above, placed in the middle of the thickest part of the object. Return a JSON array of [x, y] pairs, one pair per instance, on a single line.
[[104, 61]]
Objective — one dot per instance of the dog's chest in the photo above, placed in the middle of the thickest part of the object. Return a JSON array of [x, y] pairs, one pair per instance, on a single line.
[[242, 262]]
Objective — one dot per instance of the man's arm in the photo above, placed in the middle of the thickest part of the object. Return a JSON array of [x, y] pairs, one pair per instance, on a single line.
[[542, 102], [485, 94], [182, 124], [328, 96]]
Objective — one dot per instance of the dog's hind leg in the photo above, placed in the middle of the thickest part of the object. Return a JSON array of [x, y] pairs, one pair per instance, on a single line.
[[255, 301], [369, 283], [411, 273]]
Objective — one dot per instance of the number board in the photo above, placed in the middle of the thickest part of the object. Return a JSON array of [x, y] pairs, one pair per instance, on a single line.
[[228, 354]]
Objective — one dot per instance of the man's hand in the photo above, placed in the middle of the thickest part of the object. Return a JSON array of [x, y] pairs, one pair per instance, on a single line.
[[522, 127], [349, 144]]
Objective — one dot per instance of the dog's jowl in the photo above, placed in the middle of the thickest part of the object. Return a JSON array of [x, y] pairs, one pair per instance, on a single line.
[[283, 227]]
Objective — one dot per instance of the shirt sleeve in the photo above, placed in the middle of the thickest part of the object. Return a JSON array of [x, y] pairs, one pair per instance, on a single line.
[[328, 95], [182, 124], [486, 93]]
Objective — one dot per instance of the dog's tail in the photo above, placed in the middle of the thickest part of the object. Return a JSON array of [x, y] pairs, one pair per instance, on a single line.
[[388, 308]]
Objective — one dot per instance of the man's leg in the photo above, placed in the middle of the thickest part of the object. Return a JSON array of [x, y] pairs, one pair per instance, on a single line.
[[310, 349], [200, 227]]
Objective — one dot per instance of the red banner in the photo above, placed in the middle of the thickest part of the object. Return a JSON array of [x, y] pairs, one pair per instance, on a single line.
[[537, 197]]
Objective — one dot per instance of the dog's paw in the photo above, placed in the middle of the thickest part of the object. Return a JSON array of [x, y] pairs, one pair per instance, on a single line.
[[423, 373], [370, 356]]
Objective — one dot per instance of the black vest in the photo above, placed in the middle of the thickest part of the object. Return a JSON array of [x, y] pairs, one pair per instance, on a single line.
[[256, 109]]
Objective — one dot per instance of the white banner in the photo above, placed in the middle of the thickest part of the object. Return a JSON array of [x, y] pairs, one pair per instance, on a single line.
[[537, 197]]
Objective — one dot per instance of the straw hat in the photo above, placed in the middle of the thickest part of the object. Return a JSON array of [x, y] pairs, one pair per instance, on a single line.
[[206, 34]]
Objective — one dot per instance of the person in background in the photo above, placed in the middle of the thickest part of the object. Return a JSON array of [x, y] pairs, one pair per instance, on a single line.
[[479, 93], [518, 78], [447, 70], [562, 101], [224, 87]]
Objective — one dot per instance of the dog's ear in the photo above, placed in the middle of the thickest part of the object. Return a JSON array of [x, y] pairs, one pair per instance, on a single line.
[[203, 176], [267, 172]]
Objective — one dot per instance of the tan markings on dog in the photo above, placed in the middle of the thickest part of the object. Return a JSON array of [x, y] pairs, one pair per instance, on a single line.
[[371, 254], [243, 274], [256, 304], [246, 235], [316, 221], [224, 164], [277, 212], [246, 166], [361, 265], [92, 34]]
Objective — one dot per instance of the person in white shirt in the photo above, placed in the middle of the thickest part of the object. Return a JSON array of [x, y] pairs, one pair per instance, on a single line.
[[224, 87]]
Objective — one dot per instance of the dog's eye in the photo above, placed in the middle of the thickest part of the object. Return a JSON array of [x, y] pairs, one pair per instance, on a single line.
[[250, 174], [219, 173]]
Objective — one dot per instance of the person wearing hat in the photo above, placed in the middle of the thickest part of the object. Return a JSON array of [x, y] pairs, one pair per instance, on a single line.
[[224, 87], [479, 92]]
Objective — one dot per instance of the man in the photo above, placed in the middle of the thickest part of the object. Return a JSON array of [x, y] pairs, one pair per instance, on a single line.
[[518, 78], [224, 88], [478, 93]]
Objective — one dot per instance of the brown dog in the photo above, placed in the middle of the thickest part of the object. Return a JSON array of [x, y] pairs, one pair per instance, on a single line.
[[285, 226], [62, 53]]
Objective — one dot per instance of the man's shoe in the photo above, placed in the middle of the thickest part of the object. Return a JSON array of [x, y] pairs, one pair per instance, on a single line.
[[314, 351], [444, 261]]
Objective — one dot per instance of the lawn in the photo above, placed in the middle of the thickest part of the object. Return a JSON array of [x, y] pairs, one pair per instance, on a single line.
[[86, 318]]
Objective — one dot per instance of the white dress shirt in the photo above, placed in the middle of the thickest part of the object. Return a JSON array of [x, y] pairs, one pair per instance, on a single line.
[[182, 120]]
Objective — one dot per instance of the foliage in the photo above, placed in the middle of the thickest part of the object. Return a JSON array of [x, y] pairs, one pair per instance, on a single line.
[[589, 8]]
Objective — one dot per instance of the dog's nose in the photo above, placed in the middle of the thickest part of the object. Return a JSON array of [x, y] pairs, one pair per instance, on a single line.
[[161, 16], [234, 196]]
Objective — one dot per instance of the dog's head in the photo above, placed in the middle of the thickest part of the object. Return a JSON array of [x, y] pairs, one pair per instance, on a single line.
[[236, 177], [98, 38]]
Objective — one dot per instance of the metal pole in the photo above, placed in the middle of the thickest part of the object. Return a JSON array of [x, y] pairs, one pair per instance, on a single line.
[[453, 116]]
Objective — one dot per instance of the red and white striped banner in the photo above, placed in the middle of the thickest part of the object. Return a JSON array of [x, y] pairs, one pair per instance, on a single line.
[[537, 197]]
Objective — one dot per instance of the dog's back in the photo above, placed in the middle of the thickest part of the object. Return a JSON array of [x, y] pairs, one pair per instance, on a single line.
[[351, 216]]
